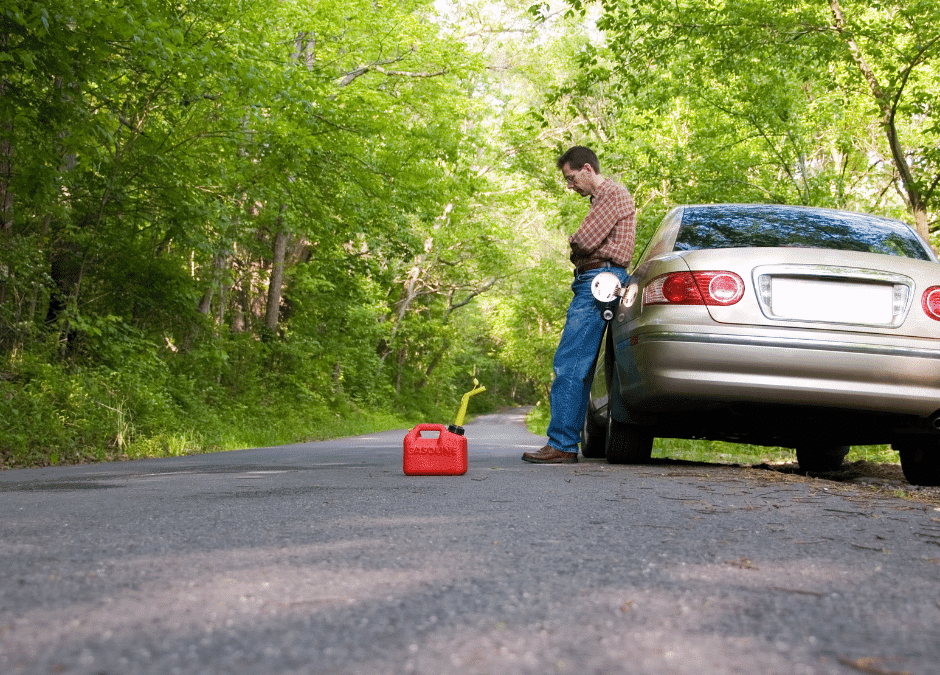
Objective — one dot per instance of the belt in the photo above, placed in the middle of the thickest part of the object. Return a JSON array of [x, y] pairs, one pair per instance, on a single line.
[[586, 267]]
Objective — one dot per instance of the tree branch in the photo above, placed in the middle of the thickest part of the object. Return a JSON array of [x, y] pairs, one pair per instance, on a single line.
[[377, 67], [888, 110]]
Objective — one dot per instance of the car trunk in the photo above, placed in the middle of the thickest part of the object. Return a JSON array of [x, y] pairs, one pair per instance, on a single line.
[[828, 290]]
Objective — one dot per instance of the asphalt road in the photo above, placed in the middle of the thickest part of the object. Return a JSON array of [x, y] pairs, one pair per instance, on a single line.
[[326, 558]]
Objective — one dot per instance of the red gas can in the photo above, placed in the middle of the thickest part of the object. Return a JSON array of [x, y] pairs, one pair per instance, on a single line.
[[444, 455]]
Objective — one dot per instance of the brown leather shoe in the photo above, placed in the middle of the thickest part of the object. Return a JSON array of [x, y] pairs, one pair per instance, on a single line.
[[550, 455]]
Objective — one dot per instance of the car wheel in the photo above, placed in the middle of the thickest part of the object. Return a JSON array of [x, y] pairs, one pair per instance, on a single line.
[[920, 460], [821, 458], [627, 443], [593, 437]]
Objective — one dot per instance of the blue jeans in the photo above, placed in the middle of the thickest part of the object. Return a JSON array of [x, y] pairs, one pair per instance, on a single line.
[[574, 360]]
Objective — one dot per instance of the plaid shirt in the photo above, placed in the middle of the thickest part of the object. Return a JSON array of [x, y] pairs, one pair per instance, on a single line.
[[608, 232]]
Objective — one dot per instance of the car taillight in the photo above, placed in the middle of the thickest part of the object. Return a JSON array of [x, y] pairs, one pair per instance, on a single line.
[[694, 288], [930, 301]]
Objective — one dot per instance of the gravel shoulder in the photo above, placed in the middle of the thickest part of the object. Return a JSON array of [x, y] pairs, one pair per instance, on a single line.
[[881, 479]]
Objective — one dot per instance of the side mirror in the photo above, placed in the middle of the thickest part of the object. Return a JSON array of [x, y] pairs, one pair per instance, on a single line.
[[606, 287]]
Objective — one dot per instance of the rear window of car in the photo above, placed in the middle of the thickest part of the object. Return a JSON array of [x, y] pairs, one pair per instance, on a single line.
[[778, 226]]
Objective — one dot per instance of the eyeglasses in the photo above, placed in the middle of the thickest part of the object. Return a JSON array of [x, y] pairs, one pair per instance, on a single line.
[[569, 177]]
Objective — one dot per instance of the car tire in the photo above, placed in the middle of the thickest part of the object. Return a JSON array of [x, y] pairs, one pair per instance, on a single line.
[[821, 458], [920, 460], [593, 437], [627, 443]]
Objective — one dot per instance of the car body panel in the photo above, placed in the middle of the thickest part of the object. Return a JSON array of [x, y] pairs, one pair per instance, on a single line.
[[819, 265], [673, 367], [820, 334]]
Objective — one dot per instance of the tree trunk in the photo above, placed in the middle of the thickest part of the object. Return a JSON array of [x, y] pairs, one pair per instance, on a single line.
[[6, 173], [205, 304], [6, 176], [435, 362], [275, 284], [6, 157], [66, 271], [219, 261], [887, 107]]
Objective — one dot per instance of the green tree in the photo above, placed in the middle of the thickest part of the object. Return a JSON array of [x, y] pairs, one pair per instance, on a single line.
[[801, 101]]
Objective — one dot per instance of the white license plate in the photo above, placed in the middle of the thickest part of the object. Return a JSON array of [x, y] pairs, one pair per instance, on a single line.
[[833, 301]]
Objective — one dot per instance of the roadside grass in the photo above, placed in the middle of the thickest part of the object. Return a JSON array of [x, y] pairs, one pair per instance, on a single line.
[[317, 425], [726, 453], [113, 435], [740, 453], [55, 411]]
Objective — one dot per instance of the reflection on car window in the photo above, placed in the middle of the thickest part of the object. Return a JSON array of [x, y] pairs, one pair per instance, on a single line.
[[735, 226], [661, 241]]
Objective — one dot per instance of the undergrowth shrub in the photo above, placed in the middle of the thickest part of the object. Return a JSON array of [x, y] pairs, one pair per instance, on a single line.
[[220, 396]]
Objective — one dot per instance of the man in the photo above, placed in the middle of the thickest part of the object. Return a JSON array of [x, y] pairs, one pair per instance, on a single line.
[[603, 243]]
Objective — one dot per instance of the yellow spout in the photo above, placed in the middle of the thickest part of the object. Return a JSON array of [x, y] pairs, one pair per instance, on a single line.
[[466, 400]]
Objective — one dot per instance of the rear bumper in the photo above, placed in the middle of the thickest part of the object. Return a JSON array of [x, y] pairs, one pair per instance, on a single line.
[[670, 370]]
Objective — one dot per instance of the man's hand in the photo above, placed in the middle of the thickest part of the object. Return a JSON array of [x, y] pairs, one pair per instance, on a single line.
[[577, 249]]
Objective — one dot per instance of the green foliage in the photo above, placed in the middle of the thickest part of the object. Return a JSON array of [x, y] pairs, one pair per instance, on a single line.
[[240, 222], [219, 399], [809, 103], [152, 155]]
